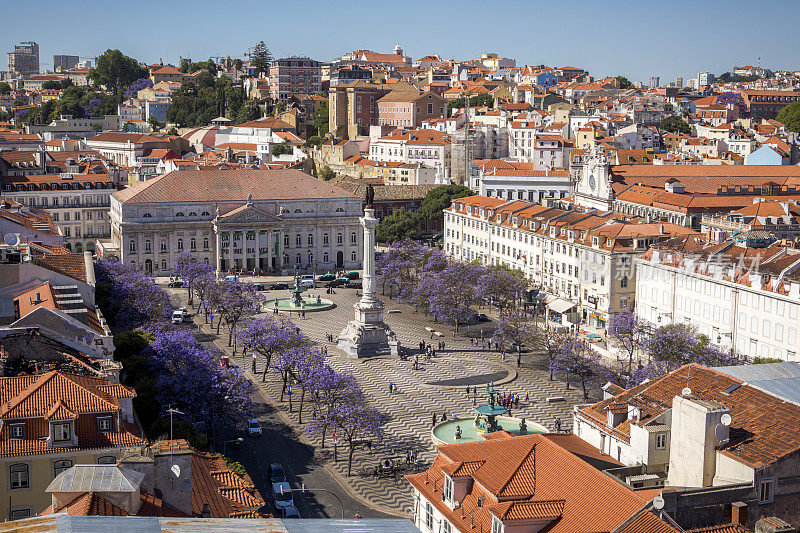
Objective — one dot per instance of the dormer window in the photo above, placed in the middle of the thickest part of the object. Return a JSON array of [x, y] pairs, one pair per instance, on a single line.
[[448, 489], [17, 431], [62, 431], [104, 424], [497, 525]]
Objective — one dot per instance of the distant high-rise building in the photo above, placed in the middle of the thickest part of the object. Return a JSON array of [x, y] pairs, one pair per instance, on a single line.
[[679, 82], [655, 82], [705, 78], [62, 63], [24, 60]]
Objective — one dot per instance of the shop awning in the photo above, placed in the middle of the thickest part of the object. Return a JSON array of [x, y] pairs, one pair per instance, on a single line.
[[560, 305]]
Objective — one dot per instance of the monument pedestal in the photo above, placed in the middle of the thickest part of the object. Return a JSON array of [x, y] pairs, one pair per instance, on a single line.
[[368, 335]]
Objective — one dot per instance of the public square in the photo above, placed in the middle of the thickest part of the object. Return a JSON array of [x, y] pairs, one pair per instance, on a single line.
[[437, 387]]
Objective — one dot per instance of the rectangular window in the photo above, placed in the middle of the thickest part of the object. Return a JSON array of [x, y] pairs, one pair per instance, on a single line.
[[104, 424], [429, 515], [766, 489], [18, 476], [661, 441], [62, 432], [446, 527], [448, 489], [17, 431]]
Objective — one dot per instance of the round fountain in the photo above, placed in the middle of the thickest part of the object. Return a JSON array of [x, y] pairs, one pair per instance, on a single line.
[[489, 418], [298, 303]]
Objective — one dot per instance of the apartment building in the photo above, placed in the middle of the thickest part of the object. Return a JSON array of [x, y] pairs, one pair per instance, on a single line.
[[743, 298], [293, 75], [24, 60], [409, 108], [518, 181], [584, 259], [428, 147]]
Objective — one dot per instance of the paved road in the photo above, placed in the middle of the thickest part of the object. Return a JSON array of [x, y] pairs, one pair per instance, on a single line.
[[279, 444]]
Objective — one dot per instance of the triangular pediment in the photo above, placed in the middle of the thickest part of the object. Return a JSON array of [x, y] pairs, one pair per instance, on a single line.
[[247, 213]]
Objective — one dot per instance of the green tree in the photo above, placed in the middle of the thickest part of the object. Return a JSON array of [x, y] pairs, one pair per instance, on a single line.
[[153, 123], [321, 119], [115, 70], [624, 83], [325, 173], [314, 140], [440, 199], [5, 88], [97, 127], [281, 149], [51, 85], [250, 110], [789, 116], [261, 57], [189, 67], [675, 124], [481, 100], [237, 64], [401, 224]]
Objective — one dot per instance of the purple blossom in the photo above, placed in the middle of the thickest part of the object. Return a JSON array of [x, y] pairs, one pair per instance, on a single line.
[[189, 269], [576, 359], [138, 85], [626, 329], [134, 298], [358, 423]]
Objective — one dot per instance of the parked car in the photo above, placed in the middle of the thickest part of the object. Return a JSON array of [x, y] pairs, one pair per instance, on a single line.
[[282, 495], [177, 317], [338, 282], [354, 284], [326, 277], [290, 511], [259, 286], [254, 427], [307, 283], [353, 275], [232, 278], [176, 284], [276, 474], [279, 286], [481, 317]]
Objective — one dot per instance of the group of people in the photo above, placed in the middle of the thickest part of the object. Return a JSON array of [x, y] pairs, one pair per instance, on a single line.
[[330, 338], [392, 387], [483, 343], [390, 466], [434, 419]]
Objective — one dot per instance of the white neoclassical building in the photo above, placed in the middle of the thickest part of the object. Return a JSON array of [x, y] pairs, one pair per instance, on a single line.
[[236, 219]]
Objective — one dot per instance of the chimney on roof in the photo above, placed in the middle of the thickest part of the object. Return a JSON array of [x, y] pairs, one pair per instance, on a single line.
[[206, 511], [739, 513]]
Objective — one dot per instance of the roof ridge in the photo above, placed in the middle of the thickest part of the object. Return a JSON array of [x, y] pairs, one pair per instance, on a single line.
[[27, 391]]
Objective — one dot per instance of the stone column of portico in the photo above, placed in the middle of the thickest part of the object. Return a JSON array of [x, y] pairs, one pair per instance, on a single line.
[[258, 248], [218, 250], [230, 248]]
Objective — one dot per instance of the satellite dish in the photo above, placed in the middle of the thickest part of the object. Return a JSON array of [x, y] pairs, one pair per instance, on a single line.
[[725, 420], [11, 239], [686, 391], [175, 469], [658, 502], [721, 432]]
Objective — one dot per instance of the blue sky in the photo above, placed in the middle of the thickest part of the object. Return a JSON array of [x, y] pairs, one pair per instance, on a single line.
[[633, 38]]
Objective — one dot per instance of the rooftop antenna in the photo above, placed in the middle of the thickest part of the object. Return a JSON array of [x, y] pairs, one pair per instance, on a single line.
[[171, 410]]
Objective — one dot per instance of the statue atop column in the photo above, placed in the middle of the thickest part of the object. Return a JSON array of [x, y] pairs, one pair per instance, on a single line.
[[370, 196]]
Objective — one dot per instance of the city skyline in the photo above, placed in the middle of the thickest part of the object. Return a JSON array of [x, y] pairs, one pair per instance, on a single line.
[[681, 45]]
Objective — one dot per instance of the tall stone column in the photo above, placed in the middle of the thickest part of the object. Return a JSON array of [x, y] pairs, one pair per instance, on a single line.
[[369, 223], [218, 249]]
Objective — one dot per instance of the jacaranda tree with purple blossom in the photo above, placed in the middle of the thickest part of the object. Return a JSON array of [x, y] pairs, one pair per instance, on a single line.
[[132, 299], [331, 389], [270, 336], [576, 359], [138, 85], [237, 301], [359, 425], [190, 376], [626, 329], [189, 269]]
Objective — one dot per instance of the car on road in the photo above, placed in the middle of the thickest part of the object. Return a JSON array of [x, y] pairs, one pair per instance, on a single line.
[[279, 286], [290, 511], [254, 427], [282, 495], [481, 317], [357, 284], [177, 317], [276, 473], [338, 282], [307, 283], [232, 278], [352, 275], [176, 284], [259, 286], [326, 277]]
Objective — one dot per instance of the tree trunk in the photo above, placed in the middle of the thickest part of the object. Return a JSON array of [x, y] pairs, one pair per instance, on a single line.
[[585, 393], [324, 432], [350, 457], [300, 408]]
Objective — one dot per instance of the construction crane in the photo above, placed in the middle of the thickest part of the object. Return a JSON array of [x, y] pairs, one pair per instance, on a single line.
[[16, 111]]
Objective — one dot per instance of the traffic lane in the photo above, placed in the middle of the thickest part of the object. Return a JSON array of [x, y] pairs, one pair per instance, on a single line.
[[278, 444]]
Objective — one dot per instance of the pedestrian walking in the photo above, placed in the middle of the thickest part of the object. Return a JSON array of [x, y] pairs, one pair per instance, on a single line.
[[526, 397], [433, 420], [254, 363], [558, 425], [391, 387], [467, 392]]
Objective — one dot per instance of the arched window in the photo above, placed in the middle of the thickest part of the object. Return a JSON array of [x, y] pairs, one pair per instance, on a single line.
[[325, 257], [623, 283], [286, 241], [339, 210], [132, 247], [147, 215], [205, 259], [193, 244], [180, 244], [107, 460], [60, 466], [310, 240], [19, 476], [205, 243], [325, 238], [298, 241], [285, 259], [352, 256], [179, 214], [163, 264], [298, 259], [310, 258], [298, 210], [192, 214], [163, 246], [339, 238], [353, 238], [147, 246], [205, 213]]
